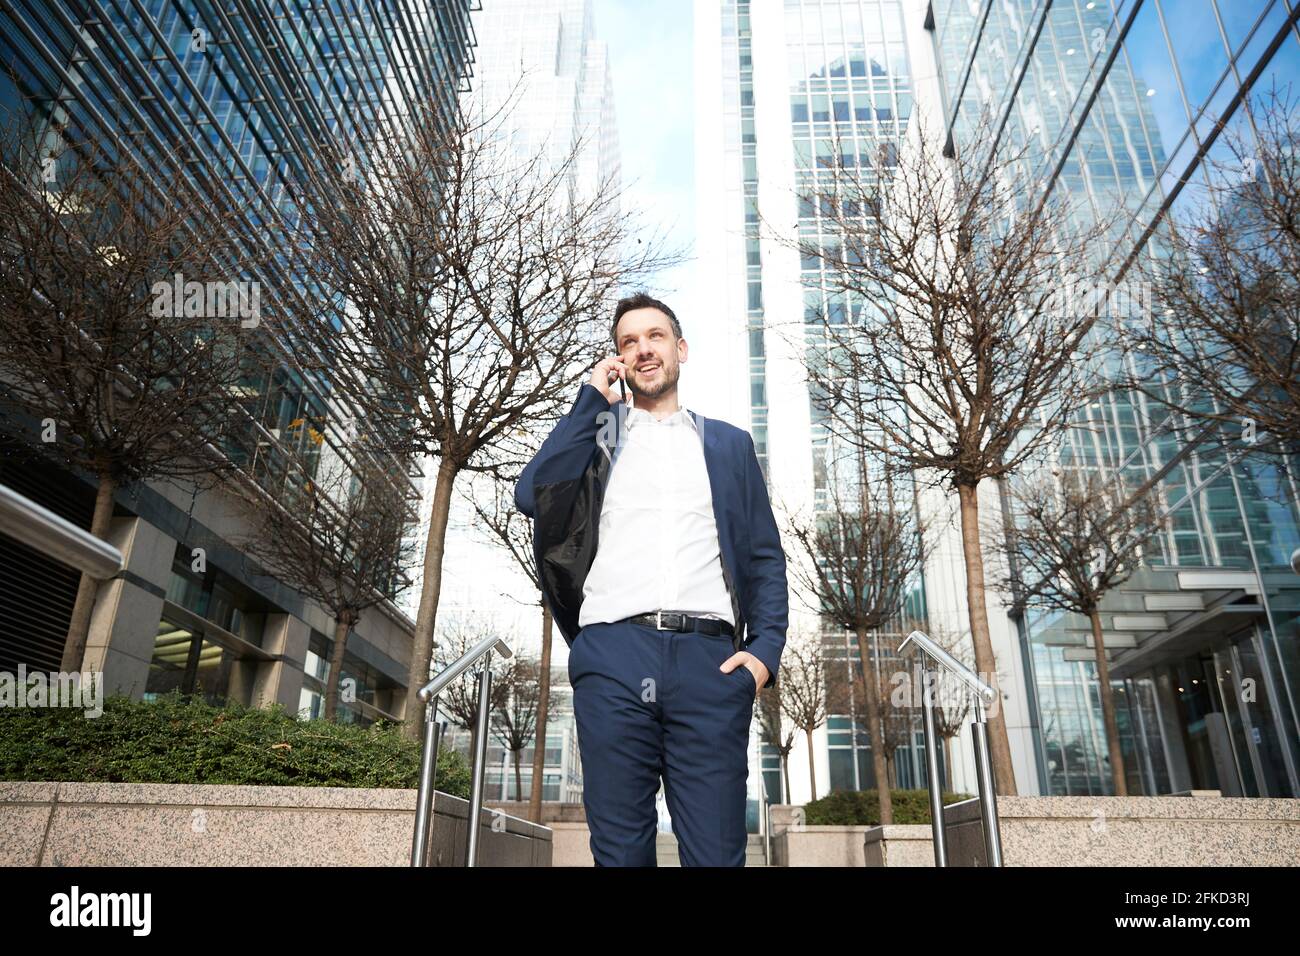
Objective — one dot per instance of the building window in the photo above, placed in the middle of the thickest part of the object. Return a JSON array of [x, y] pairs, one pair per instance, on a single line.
[[183, 661], [216, 597]]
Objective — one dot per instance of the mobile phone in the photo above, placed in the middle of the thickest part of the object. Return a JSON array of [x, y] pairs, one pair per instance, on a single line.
[[622, 389]]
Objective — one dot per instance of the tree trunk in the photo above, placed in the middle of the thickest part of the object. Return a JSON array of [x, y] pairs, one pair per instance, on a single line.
[[431, 590], [947, 764], [985, 663], [812, 764], [74, 648], [874, 729], [543, 703], [1108, 708], [342, 625], [519, 777], [785, 777]]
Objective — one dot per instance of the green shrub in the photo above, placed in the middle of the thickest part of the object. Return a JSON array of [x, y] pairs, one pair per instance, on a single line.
[[179, 739], [862, 807]]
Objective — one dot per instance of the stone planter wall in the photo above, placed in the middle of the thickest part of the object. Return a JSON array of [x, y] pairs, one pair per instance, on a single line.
[[899, 845], [127, 824], [819, 846], [1131, 831], [1199, 828]]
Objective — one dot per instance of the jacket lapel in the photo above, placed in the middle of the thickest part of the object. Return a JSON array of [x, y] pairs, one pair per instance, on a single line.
[[722, 479]]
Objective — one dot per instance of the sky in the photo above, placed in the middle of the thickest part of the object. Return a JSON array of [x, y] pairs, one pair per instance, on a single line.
[[651, 52], [651, 57]]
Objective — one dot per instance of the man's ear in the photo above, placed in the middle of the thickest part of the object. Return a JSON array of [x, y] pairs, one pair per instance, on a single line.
[[681, 350]]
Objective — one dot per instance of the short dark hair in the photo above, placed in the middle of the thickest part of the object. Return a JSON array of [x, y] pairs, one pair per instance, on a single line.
[[642, 301]]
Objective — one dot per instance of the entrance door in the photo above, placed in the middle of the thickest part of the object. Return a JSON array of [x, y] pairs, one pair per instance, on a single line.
[[1266, 768], [1229, 722], [1204, 728]]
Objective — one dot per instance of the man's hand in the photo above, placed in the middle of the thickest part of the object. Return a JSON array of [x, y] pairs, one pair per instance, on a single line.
[[746, 659], [600, 377]]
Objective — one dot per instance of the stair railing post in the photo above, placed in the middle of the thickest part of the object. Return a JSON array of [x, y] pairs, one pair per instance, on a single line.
[[480, 758]]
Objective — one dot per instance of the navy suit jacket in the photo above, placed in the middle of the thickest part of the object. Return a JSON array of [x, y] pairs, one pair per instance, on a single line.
[[562, 489]]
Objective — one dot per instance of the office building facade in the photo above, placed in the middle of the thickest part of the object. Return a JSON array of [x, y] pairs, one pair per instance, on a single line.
[[772, 82], [1138, 101], [1118, 98], [238, 95]]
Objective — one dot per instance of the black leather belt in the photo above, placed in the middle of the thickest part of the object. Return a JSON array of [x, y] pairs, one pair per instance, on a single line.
[[675, 621]]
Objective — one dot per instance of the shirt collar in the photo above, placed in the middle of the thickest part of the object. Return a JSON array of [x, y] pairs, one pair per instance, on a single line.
[[637, 416]]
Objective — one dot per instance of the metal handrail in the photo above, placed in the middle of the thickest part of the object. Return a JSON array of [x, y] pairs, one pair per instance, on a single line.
[[428, 695], [24, 520], [983, 694], [764, 812], [435, 687]]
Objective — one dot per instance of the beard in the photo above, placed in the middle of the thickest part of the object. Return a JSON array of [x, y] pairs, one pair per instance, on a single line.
[[665, 381]]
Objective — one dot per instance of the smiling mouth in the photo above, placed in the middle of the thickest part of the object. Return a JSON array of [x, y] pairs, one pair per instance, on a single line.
[[645, 370]]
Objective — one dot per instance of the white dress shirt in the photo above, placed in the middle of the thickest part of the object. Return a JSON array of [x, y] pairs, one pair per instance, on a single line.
[[658, 543]]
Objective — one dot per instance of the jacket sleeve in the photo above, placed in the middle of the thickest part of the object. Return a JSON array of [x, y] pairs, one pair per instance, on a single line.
[[767, 601], [574, 432]]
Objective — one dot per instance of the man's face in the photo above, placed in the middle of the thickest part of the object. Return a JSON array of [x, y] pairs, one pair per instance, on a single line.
[[646, 345]]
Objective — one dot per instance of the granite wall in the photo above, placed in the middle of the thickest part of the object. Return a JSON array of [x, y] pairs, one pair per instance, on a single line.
[[133, 824]]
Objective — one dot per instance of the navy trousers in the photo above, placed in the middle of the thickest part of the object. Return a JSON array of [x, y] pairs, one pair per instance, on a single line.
[[651, 703]]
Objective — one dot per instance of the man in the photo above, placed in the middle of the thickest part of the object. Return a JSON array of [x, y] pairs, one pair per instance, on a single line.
[[662, 565]]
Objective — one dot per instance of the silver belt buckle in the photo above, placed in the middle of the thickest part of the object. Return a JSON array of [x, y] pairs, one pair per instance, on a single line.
[[659, 621]]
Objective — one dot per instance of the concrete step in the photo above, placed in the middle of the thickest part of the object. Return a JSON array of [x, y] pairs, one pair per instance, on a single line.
[[666, 850]]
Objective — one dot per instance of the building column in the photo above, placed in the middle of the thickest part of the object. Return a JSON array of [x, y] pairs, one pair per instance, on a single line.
[[124, 622], [280, 681]]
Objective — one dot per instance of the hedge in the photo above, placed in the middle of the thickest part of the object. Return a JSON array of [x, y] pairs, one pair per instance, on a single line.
[[862, 807], [181, 739]]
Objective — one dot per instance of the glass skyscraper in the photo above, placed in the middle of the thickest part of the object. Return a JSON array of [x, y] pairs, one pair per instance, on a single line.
[[1136, 100], [1128, 100], [782, 77], [238, 96], [565, 92]]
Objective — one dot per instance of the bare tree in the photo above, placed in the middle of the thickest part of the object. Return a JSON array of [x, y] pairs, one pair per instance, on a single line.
[[475, 289], [1223, 343], [955, 345], [863, 555], [515, 721], [803, 692], [846, 694], [125, 317], [338, 537], [770, 732], [1076, 538], [514, 532], [897, 726], [460, 698]]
